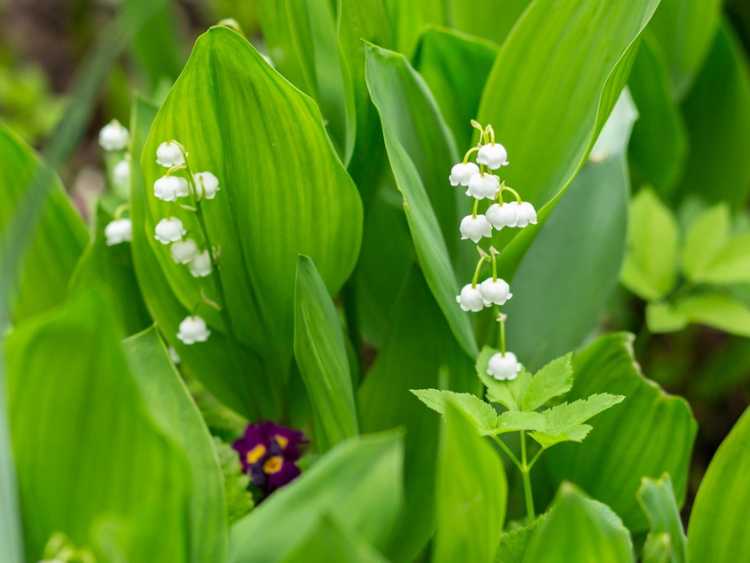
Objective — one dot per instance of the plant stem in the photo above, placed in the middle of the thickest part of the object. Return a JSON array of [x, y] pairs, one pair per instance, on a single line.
[[501, 320], [477, 271], [525, 475], [507, 451]]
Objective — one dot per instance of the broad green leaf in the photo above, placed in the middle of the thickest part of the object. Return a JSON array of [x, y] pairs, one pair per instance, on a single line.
[[471, 493], [728, 264], [565, 422], [410, 19], [551, 44], [648, 434], [658, 148], [657, 549], [553, 380], [91, 462], [418, 347], [329, 541], [664, 317], [283, 192], [157, 48], [10, 518], [716, 310], [486, 18], [649, 269], [55, 242], [579, 529], [357, 483], [717, 168], [717, 531], [320, 350], [706, 239], [426, 217], [110, 268], [169, 403], [507, 393], [658, 502], [684, 28], [455, 67], [482, 416]]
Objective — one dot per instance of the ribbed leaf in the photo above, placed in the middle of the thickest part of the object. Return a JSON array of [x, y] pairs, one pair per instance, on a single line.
[[171, 406], [283, 193], [320, 350], [648, 434], [658, 502], [487, 18], [718, 523], [357, 483], [91, 462], [471, 493]]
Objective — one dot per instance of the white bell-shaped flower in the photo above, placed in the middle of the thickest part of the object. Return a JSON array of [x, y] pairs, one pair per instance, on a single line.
[[492, 155], [474, 228], [495, 292], [169, 230], [462, 172], [174, 356], [183, 251], [483, 186], [200, 265], [206, 184], [118, 231], [169, 154], [193, 329], [526, 214], [169, 188], [470, 298], [113, 136], [502, 215], [121, 173], [504, 367]]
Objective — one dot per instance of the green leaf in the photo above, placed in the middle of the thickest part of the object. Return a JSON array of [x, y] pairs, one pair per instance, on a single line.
[[471, 493], [658, 148], [329, 541], [717, 531], [91, 461], [663, 317], [171, 406], [55, 242], [728, 264], [717, 168], [410, 18], [685, 29], [706, 239], [238, 499], [513, 421], [482, 416], [515, 541], [657, 549], [455, 67], [321, 355], [658, 502], [579, 529], [550, 44], [10, 518], [358, 483], [717, 310], [486, 18], [389, 78], [649, 434], [553, 380], [110, 268], [564, 422], [157, 48], [649, 269], [283, 192]]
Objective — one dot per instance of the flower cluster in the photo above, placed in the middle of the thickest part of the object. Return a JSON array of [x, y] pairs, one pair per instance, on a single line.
[[114, 139], [180, 183], [483, 183], [269, 453]]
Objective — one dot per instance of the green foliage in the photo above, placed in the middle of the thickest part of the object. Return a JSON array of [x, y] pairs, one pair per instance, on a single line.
[[238, 499], [666, 535], [471, 493]]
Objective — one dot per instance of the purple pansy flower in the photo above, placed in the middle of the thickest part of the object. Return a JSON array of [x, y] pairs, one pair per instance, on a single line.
[[268, 453]]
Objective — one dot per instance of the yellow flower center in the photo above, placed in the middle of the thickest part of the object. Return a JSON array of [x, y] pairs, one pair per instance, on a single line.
[[273, 465], [281, 440], [255, 454]]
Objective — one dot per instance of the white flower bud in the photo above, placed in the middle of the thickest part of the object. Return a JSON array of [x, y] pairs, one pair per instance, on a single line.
[[513, 208], [169, 154], [200, 265], [169, 230], [193, 329], [493, 156], [113, 136], [483, 186], [183, 251], [470, 299], [206, 184], [504, 367], [502, 215], [121, 173], [174, 356], [526, 214], [495, 292], [462, 172], [169, 188], [475, 228], [118, 231]]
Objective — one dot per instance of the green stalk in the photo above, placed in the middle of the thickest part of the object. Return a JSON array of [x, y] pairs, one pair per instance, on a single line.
[[525, 475]]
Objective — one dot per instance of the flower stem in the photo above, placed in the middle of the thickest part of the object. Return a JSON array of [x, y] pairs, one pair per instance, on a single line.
[[525, 475], [469, 153], [475, 209], [477, 271], [501, 332], [505, 188], [507, 451]]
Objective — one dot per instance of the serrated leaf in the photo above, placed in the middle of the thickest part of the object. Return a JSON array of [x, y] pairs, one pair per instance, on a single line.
[[553, 380], [706, 237], [717, 310], [663, 317], [657, 501], [507, 393], [565, 422], [730, 263], [513, 421], [238, 499], [515, 541], [481, 414]]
